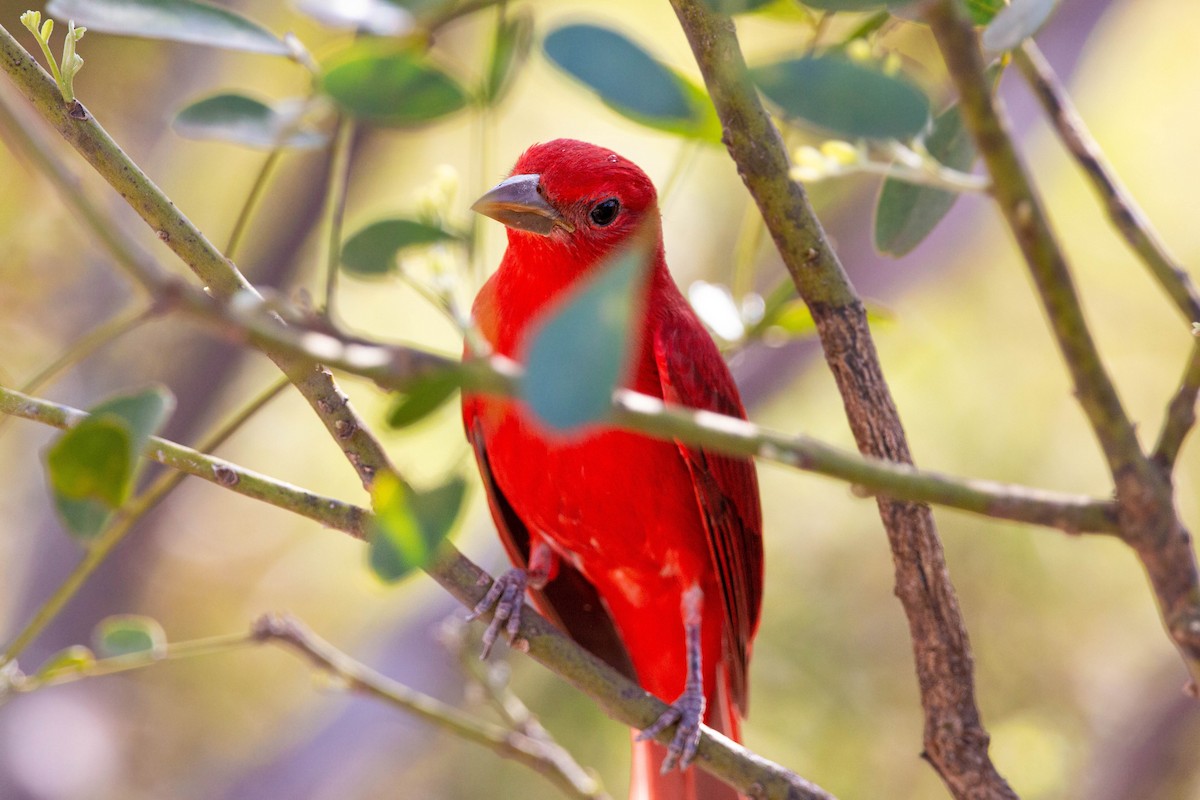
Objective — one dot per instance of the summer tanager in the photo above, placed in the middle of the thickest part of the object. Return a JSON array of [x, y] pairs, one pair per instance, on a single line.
[[647, 552]]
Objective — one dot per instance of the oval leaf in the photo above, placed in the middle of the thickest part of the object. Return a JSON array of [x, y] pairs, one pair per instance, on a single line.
[[129, 634], [243, 120], [845, 97], [632, 82], [579, 352], [905, 212], [1015, 23], [175, 20], [618, 70], [426, 396], [93, 461], [409, 525], [392, 87], [92, 467], [70, 661], [371, 252]]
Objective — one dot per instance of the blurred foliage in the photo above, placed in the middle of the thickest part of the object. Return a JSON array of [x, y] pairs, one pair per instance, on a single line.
[[1077, 682]]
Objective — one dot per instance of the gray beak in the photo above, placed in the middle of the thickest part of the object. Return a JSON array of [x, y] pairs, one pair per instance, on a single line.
[[516, 202]]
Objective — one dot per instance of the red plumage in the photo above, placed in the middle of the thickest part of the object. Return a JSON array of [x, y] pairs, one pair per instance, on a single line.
[[625, 525]]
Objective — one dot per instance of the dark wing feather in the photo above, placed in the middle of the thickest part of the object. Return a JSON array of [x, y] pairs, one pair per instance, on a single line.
[[570, 600], [692, 373]]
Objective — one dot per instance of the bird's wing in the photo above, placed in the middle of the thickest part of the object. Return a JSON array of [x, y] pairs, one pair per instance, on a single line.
[[569, 600], [692, 373]]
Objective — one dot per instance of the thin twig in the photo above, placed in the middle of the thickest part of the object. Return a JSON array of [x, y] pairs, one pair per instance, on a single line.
[[257, 189], [122, 522], [955, 740], [542, 757], [335, 208], [1146, 514], [1125, 214], [1181, 415]]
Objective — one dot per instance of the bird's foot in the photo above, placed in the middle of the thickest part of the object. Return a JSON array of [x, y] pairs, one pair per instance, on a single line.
[[686, 713], [507, 597]]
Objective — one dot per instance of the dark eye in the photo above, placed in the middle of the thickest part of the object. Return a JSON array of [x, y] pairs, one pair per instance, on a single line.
[[605, 211]]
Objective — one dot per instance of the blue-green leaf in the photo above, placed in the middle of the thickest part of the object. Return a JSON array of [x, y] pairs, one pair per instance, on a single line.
[[845, 97], [409, 525], [906, 213], [632, 82], [371, 252], [579, 352], [1015, 23], [175, 20], [391, 87], [127, 634], [425, 397], [243, 120]]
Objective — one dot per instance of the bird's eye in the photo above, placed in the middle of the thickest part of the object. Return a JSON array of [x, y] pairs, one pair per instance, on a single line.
[[605, 211]]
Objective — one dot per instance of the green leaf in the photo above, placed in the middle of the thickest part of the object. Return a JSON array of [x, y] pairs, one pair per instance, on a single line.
[[129, 634], [794, 320], [175, 20], [906, 213], [1015, 23], [632, 82], [68, 661], [510, 50], [578, 353], [144, 413], [409, 525], [391, 87], [243, 120], [371, 252], [845, 97], [92, 467], [425, 397], [93, 461], [981, 12], [374, 17]]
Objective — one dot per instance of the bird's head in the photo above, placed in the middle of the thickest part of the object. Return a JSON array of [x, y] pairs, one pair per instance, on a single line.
[[572, 195]]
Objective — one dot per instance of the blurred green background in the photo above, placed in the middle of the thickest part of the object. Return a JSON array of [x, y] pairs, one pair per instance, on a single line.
[[1078, 684]]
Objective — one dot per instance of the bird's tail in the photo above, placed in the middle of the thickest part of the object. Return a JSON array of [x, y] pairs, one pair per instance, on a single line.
[[646, 780]]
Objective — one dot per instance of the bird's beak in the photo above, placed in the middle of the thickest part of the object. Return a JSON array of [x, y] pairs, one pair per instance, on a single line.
[[517, 203]]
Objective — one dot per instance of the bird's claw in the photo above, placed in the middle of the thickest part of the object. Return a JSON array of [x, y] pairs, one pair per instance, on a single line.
[[687, 712], [507, 596]]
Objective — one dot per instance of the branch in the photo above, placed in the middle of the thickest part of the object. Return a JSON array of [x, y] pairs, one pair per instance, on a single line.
[[615, 694], [1181, 415], [955, 740], [1146, 514], [541, 755], [1126, 217], [1023, 211]]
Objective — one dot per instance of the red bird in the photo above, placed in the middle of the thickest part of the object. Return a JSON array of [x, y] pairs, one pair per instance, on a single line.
[[646, 552]]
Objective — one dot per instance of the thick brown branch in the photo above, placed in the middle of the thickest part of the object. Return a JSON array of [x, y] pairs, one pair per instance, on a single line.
[[955, 740]]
